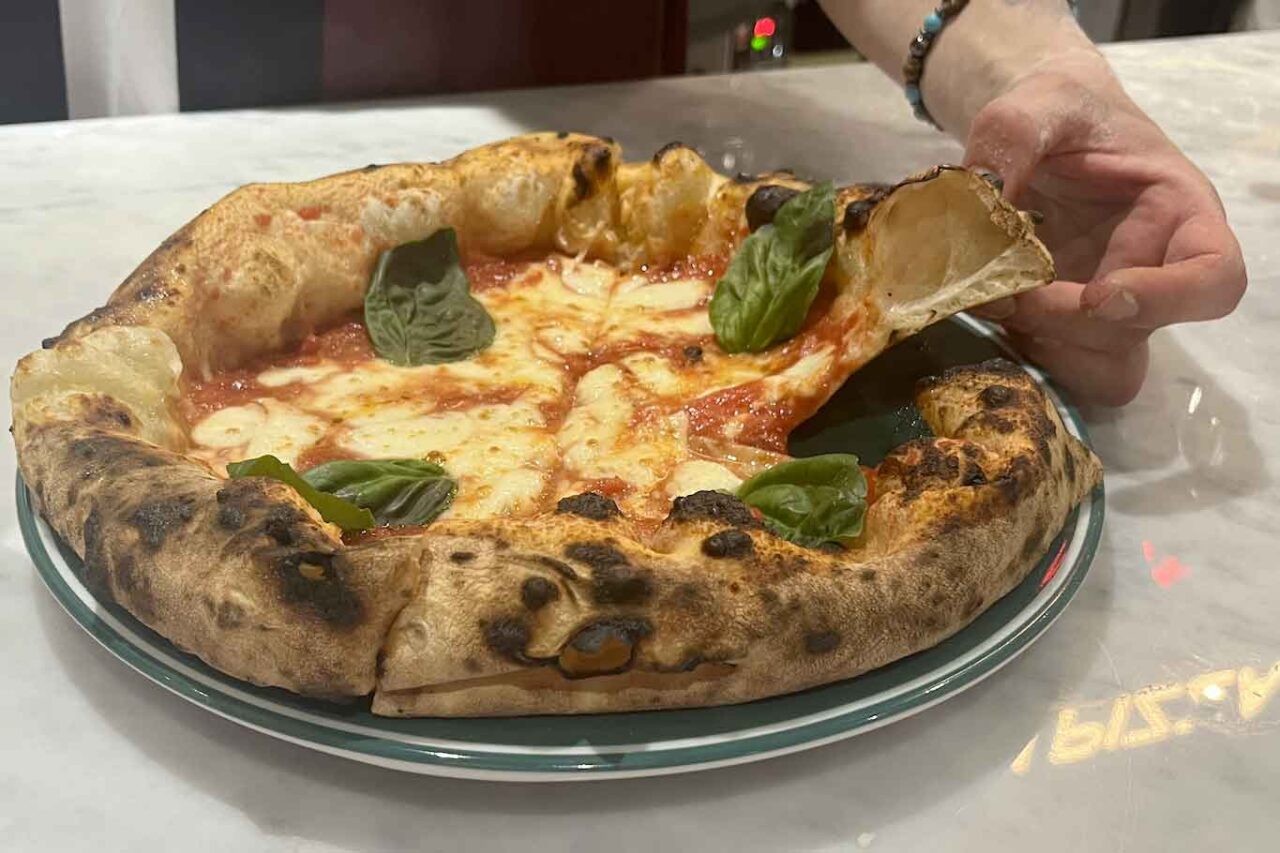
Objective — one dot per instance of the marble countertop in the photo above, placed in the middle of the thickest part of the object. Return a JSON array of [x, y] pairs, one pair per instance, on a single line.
[[1181, 609]]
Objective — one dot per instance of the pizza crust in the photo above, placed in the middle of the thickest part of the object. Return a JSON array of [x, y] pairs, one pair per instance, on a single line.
[[245, 575], [712, 609]]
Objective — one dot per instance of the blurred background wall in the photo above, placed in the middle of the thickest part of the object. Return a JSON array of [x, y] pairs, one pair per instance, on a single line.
[[84, 58]]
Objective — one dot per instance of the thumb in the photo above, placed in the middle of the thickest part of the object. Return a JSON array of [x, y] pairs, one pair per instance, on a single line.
[[1014, 132]]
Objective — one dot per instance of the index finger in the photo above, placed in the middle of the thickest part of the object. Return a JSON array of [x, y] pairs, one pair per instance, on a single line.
[[1203, 279]]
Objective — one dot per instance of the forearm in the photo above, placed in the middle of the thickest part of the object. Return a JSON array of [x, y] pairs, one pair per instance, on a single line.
[[979, 55]]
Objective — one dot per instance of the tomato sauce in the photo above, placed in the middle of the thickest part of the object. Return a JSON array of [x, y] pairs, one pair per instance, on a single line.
[[327, 449], [348, 344], [680, 352], [486, 272], [610, 487], [706, 267], [357, 537], [229, 388], [766, 425]]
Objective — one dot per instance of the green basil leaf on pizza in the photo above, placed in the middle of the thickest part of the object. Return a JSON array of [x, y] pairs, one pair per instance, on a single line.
[[399, 492], [419, 308], [332, 509], [813, 501], [774, 276]]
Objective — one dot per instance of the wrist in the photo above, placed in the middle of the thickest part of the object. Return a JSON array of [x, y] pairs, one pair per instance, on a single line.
[[990, 47]]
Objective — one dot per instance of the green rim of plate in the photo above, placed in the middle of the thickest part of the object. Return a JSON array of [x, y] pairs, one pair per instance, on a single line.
[[609, 745]]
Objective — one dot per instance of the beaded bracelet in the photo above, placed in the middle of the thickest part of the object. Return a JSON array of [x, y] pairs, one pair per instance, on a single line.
[[913, 68]]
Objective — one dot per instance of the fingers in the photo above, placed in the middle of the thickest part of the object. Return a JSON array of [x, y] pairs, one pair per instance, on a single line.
[[1054, 313], [1106, 378], [1203, 286], [1005, 138], [1012, 134]]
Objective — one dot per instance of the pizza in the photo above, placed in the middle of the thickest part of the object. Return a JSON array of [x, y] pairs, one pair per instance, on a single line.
[[508, 434]]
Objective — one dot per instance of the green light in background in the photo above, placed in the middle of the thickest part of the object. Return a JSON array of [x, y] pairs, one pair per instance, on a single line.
[[758, 42]]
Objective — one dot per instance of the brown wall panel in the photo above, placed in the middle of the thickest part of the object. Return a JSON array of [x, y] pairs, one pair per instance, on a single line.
[[375, 48]]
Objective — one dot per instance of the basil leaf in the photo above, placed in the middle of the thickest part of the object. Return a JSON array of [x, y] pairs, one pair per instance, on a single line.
[[811, 501], [773, 278], [399, 492], [419, 308], [332, 509], [805, 223]]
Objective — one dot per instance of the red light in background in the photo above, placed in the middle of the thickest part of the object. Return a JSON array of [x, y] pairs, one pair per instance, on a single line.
[[1167, 571], [765, 27]]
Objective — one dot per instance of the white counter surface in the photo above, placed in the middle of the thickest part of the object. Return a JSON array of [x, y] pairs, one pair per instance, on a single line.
[[1184, 594]]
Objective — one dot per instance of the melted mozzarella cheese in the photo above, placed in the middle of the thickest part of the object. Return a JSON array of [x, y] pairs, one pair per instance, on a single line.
[[674, 309], [655, 374], [502, 455], [263, 426], [279, 376], [599, 439], [696, 475], [802, 378], [562, 307]]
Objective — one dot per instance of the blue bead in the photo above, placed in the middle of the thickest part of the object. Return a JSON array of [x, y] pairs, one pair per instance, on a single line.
[[932, 22], [913, 94]]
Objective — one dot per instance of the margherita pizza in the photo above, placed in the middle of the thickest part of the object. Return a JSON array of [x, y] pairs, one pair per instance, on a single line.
[[507, 434]]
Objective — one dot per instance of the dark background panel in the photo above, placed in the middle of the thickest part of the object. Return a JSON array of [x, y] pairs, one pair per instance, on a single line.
[[234, 53], [376, 48], [33, 85]]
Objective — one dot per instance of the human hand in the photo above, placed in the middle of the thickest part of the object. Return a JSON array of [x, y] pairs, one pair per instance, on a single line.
[[1138, 233]]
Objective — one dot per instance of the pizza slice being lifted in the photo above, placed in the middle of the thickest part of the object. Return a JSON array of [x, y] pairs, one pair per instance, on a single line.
[[514, 426]]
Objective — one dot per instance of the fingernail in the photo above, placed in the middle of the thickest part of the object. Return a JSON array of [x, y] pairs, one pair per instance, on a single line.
[[1001, 309], [1120, 305], [990, 177]]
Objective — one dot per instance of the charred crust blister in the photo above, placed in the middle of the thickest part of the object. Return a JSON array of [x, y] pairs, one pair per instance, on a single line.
[[763, 204], [665, 150], [461, 557], [96, 573], [134, 586], [619, 584], [582, 186], [613, 579], [588, 505], [106, 412], [508, 638], [312, 579], [230, 517], [560, 567], [228, 615], [597, 555], [712, 506], [156, 519], [728, 543], [281, 524], [996, 396], [590, 638], [858, 213], [536, 593], [603, 648], [821, 642]]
